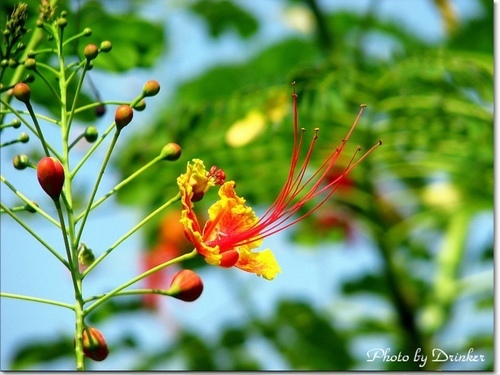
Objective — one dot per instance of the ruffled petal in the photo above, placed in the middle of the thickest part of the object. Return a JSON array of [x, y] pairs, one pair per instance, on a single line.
[[262, 263]]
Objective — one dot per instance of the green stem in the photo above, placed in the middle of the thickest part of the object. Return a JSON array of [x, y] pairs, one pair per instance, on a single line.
[[117, 290], [123, 183], [38, 129], [79, 327], [77, 94], [129, 233], [27, 201], [67, 245], [36, 236], [92, 149], [23, 120], [96, 185], [132, 292], [36, 299], [44, 79]]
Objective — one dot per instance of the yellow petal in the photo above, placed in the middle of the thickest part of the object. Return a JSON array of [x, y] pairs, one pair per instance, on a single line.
[[245, 130], [262, 263]]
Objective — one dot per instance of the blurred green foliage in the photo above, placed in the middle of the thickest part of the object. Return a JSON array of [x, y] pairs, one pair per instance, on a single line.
[[414, 198]]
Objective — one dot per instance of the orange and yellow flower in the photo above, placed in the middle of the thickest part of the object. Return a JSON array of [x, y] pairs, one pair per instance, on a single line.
[[233, 231]]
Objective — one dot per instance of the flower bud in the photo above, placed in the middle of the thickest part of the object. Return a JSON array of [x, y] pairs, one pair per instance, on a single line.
[[91, 134], [91, 51], [21, 161], [50, 173], [62, 22], [22, 92], [94, 344], [87, 31], [13, 63], [123, 116], [23, 137], [151, 88], [186, 286], [85, 255], [171, 151], [100, 110], [141, 106], [106, 46], [30, 63]]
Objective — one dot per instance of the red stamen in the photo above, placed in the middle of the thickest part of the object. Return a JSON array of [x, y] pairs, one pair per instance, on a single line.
[[277, 216]]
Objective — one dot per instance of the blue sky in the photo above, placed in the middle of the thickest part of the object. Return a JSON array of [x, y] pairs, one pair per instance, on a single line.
[[26, 268]]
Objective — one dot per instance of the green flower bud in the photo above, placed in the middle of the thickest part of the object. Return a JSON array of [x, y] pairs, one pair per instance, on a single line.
[[21, 161], [16, 123], [87, 31], [141, 106], [91, 134], [62, 22], [85, 255], [106, 46], [30, 63], [23, 137]]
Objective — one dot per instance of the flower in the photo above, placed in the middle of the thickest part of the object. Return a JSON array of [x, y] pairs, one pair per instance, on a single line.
[[233, 230]]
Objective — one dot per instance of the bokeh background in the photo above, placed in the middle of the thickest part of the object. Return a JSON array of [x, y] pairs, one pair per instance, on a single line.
[[401, 257]]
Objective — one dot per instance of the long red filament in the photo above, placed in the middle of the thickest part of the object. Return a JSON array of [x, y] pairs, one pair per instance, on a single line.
[[277, 216]]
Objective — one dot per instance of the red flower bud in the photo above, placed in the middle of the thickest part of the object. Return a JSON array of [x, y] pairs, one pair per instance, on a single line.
[[186, 286], [50, 173], [171, 151], [123, 116], [100, 110], [94, 344], [151, 88], [90, 51], [22, 92]]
